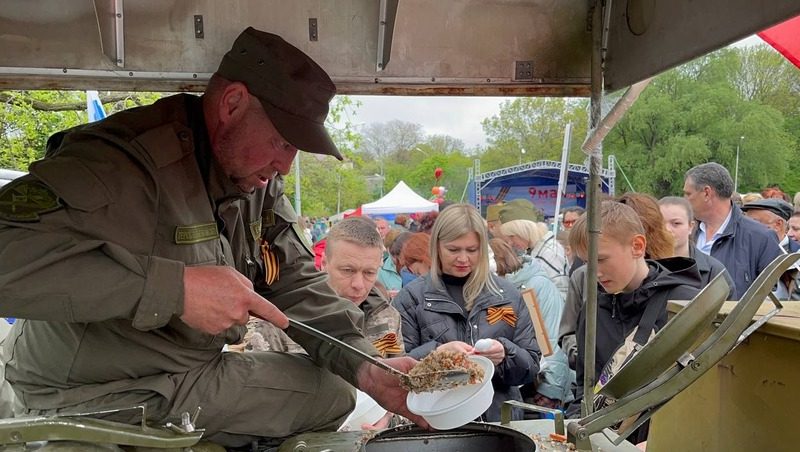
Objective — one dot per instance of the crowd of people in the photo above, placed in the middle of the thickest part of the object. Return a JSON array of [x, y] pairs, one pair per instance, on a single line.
[[650, 251], [145, 245]]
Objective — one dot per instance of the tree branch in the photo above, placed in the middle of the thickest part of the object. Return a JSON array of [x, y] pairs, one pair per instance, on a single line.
[[44, 106]]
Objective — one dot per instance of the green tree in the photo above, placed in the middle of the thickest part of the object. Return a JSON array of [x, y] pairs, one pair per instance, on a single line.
[[421, 178], [535, 124], [28, 118], [698, 113], [415, 162]]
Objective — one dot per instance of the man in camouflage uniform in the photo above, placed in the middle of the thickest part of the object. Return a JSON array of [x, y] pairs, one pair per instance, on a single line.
[[134, 251], [352, 261]]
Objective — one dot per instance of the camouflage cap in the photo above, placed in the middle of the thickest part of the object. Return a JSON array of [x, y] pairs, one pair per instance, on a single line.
[[493, 212], [519, 209], [294, 90]]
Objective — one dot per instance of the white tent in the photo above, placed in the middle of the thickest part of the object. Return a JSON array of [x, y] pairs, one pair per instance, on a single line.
[[400, 200]]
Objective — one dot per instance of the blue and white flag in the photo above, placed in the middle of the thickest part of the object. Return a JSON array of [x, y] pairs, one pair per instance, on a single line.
[[94, 108]]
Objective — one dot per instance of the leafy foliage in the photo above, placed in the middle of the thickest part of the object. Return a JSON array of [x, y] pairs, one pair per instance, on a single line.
[[24, 130], [535, 124], [705, 110]]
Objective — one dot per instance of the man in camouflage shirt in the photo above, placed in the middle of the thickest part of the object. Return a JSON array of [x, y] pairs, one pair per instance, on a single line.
[[352, 259], [141, 245]]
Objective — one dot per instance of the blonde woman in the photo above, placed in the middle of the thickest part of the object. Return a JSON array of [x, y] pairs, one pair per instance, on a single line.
[[535, 240], [460, 301]]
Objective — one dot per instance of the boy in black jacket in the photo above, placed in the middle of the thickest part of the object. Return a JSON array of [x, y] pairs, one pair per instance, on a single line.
[[632, 291]]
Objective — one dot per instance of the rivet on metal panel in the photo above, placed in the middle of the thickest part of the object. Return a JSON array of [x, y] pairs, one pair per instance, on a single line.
[[523, 70], [313, 34], [198, 26]]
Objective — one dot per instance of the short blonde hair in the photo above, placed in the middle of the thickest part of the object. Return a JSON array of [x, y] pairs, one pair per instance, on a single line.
[[524, 229], [750, 197], [357, 230], [452, 223], [617, 221]]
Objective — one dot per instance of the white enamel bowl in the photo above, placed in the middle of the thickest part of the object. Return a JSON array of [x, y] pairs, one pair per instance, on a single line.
[[452, 408]]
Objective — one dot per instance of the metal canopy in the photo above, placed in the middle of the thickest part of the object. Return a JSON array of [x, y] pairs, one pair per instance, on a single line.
[[408, 47], [647, 37]]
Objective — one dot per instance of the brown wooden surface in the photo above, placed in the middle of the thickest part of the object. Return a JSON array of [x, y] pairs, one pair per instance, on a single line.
[[542, 337]]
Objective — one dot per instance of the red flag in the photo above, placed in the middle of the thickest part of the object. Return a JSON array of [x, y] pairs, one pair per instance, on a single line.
[[785, 38]]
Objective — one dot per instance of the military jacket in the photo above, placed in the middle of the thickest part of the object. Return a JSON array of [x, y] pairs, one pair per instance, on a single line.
[[94, 241], [382, 325]]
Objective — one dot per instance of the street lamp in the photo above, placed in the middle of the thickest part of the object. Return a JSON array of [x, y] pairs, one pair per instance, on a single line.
[[382, 177], [348, 165], [297, 197], [521, 153], [736, 173]]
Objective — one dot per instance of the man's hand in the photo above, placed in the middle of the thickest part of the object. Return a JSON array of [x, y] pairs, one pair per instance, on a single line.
[[218, 297], [381, 424], [385, 388]]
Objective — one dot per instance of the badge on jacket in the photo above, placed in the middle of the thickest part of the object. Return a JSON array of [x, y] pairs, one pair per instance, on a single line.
[[388, 344], [272, 269], [504, 313], [25, 200], [196, 233]]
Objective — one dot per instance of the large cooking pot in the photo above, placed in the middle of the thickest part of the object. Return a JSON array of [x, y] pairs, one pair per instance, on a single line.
[[476, 437]]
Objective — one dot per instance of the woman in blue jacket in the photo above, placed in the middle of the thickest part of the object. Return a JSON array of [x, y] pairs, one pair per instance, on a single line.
[[554, 385], [460, 301]]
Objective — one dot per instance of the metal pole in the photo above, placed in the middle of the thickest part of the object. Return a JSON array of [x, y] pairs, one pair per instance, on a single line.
[[338, 193], [593, 147], [562, 177], [297, 206], [381, 177], [466, 187], [736, 173], [593, 211]]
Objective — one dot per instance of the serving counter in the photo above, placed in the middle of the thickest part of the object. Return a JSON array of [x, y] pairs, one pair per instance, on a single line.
[[748, 401]]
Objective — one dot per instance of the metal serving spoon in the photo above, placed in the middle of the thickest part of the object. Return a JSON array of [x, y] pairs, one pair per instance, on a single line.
[[430, 381]]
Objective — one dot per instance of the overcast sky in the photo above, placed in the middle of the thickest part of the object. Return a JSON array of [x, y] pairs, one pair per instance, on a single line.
[[459, 117]]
